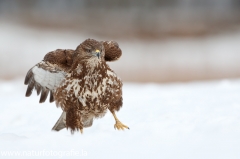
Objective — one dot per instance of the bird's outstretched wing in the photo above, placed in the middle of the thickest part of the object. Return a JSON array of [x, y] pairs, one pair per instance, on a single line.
[[47, 75]]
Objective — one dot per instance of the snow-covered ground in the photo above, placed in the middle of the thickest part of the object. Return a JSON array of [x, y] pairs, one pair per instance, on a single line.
[[199, 120]]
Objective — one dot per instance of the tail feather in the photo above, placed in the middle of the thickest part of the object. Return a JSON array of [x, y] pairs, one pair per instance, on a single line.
[[87, 122], [61, 123]]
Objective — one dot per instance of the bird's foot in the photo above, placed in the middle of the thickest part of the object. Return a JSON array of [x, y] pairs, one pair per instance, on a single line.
[[120, 126]]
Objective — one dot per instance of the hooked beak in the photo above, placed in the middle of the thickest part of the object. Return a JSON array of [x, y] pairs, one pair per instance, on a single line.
[[97, 53]]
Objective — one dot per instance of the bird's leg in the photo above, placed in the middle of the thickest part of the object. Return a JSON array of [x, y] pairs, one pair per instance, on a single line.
[[118, 124]]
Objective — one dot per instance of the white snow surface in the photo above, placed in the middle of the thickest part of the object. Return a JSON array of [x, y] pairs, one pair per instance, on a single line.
[[167, 121]]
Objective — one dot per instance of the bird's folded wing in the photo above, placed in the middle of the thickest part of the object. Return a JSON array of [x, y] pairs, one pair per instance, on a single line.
[[112, 51], [47, 75]]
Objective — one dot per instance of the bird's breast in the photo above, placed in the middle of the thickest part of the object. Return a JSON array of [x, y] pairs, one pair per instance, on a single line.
[[91, 94]]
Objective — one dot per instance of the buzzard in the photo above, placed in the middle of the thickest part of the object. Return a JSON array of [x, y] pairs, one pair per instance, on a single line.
[[80, 82]]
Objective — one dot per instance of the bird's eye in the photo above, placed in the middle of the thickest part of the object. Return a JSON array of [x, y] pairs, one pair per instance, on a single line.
[[88, 50]]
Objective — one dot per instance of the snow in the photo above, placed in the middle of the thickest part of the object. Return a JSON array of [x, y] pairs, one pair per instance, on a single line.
[[169, 121]]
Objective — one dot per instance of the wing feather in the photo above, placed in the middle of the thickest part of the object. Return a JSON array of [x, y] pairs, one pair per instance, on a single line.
[[44, 77], [112, 51], [28, 77], [51, 97], [44, 95], [30, 87], [48, 74], [38, 88]]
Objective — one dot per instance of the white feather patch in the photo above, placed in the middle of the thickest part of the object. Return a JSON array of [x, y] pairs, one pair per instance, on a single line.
[[46, 78]]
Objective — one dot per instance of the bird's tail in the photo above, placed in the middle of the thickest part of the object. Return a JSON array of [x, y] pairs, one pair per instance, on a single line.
[[61, 123], [88, 121]]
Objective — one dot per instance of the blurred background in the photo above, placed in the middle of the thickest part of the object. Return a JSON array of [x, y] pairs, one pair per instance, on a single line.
[[161, 40]]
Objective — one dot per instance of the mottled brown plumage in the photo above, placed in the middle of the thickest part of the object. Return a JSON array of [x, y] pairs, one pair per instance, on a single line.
[[63, 58], [80, 82], [112, 51]]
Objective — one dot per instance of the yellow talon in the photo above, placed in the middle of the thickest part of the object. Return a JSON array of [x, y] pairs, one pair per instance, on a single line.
[[118, 124]]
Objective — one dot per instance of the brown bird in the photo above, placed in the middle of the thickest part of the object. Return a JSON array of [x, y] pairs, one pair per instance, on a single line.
[[80, 82]]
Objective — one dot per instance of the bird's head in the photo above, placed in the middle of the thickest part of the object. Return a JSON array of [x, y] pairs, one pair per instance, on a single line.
[[90, 49]]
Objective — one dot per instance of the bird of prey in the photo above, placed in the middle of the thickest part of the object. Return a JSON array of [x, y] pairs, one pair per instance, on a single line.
[[80, 82]]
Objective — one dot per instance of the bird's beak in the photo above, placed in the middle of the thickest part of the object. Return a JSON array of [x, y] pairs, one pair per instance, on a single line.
[[98, 53]]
